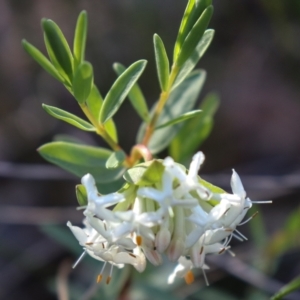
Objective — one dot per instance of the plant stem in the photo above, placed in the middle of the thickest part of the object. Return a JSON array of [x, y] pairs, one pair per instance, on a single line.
[[164, 96], [100, 129]]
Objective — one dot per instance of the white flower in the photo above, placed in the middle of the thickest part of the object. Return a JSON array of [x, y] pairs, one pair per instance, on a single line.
[[173, 216]]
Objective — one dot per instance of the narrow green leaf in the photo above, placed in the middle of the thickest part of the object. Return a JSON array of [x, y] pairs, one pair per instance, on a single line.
[[81, 195], [80, 160], [55, 63], [135, 95], [42, 60], [194, 132], [94, 103], [80, 39], [162, 62], [115, 160], [59, 46], [192, 12], [83, 82], [287, 289], [181, 101], [120, 90], [182, 118], [191, 62], [194, 36], [111, 128], [68, 117]]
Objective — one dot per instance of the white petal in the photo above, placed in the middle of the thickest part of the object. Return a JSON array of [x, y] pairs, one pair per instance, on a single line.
[[236, 185], [78, 233]]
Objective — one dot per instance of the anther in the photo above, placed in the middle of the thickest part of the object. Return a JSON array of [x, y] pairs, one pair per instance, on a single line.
[[99, 278], [253, 216], [132, 255], [189, 277], [139, 240], [222, 251]]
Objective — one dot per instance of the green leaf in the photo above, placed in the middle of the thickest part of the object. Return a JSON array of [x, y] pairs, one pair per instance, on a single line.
[[192, 12], [147, 173], [194, 36], [287, 289], [68, 117], [120, 90], [115, 160], [80, 160], [195, 131], [135, 95], [111, 128], [181, 118], [191, 62], [80, 39], [42, 60], [94, 102], [59, 46], [83, 82], [162, 62], [181, 101], [81, 195]]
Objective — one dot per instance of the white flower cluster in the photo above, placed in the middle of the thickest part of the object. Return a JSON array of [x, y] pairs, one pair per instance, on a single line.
[[174, 217]]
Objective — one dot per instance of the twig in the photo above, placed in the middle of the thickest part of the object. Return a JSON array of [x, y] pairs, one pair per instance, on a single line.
[[62, 280], [10, 214], [248, 274], [33, 172], [48, 172]]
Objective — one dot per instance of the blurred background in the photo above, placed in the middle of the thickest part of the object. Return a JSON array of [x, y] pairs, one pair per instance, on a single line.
[[253, 64]]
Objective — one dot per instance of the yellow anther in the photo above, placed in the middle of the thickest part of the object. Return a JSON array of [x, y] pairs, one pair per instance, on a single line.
[[139, 240], [189, 277], [99, 278], [108, 279]]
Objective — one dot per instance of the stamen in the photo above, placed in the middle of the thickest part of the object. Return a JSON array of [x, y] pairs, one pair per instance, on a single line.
[[237, 237], [226, 211], [189, 277], [253, 216], [201, 251], [262, 202], [245, 238], [132, 255], [100, 276], [89, 244], [139, 240], [108, 279], [222, 251], [205, 277], [79, 259], [81, 207]]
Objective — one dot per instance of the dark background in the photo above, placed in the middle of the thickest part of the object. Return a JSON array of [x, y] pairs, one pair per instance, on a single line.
[[254, 65]]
